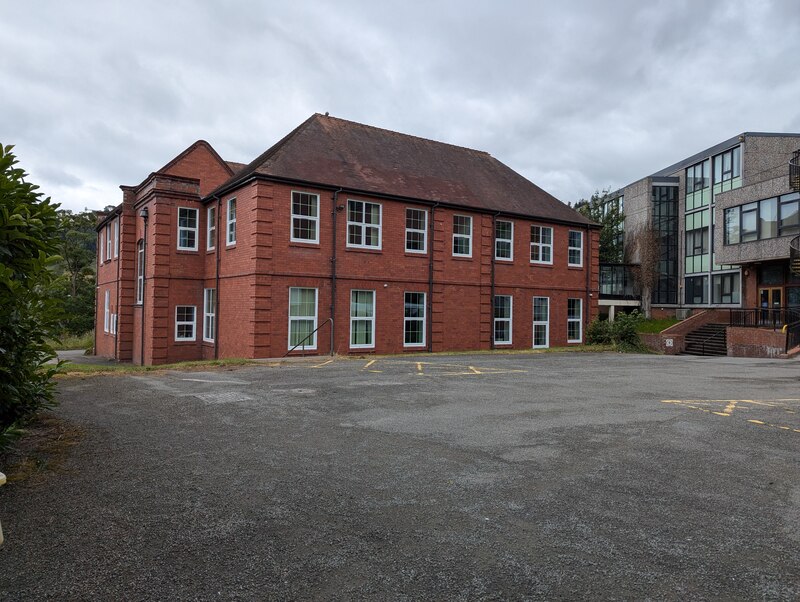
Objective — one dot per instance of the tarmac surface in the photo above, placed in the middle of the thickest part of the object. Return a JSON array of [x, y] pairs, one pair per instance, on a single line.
[[461, 477]]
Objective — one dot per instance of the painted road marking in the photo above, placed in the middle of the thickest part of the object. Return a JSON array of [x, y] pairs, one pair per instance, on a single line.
[[322, 364], [740, 405], [225, 382]]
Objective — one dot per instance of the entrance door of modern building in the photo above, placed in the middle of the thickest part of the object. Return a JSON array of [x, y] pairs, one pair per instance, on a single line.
[[770, 300]]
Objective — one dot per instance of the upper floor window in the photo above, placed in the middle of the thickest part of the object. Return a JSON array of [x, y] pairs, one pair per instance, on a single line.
[[187, 229], [697, 242], [462, 236], [728, 165], [541, 244], [305, 217], [363, 224], [504, 240], [140, 271], [769, 218], [116, 238], [109, 242], [416, 230], [698, 176], [211, 228], [575, 250], [101, 244], [231, 222]]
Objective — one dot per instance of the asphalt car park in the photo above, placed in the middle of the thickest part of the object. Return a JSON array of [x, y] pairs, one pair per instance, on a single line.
[[486, 476]]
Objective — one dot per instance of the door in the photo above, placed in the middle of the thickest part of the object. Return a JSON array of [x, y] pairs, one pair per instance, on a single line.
[[770, 300]]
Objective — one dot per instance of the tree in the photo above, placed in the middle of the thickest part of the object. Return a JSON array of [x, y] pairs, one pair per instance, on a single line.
[[644, 250], [603, 209], [28, 235], [75, 281]]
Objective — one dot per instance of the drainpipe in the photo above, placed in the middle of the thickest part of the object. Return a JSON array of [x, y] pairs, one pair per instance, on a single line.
[[491, 305], [145, 214], [118, 248], [216, 276], [334, 211], [430, 282], [588, 268]]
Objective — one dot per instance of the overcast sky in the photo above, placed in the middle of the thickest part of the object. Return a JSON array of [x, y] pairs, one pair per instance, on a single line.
[[574, 95]]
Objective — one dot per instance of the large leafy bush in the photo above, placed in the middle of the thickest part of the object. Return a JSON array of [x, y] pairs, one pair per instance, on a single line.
[[621, 332], [28, 313]]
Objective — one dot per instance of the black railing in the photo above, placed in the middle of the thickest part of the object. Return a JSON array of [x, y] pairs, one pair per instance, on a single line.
[[616, 282], [762, 317], [794, 171], [792, 335], [716, 335]]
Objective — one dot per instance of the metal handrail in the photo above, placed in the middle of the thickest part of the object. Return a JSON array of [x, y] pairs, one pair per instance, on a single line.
[[792, 335], [309, 335], [707, 339]]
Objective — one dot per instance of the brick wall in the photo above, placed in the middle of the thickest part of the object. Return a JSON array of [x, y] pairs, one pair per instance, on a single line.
[[755, 342]]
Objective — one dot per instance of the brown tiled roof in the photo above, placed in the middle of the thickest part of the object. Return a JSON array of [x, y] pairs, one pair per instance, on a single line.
[[336, 152], [235, 166]]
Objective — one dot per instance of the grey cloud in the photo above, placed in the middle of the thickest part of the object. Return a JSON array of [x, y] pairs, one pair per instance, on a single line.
[[576, 95]]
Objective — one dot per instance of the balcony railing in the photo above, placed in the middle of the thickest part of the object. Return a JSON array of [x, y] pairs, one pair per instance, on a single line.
[[616, 282], [794, 171]]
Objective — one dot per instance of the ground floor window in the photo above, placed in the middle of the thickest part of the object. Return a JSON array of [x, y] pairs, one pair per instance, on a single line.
[[185, 322], [107, 313], [362, 319], [303, 317], [696, 290], [209, 314], [725, 288], [574, 320], [414, 320], [541, 321], [502, 319]]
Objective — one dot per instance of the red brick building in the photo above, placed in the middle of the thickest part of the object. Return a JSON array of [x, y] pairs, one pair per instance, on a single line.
[[345, 238]]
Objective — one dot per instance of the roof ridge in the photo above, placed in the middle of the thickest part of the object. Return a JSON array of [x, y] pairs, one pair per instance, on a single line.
[[189, 149], [374, 127]]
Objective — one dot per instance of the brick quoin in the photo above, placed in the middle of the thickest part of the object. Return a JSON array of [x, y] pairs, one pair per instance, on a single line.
[[253, 276]]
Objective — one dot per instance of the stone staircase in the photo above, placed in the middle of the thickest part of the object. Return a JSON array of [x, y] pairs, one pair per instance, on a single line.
[[710, 339]]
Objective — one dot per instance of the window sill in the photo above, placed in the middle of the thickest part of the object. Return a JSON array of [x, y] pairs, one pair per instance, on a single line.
[[416, 253], [374, 250], [185, 342], [461, 257], [300, 244], [186, 251], [574, 267], [540, 264]]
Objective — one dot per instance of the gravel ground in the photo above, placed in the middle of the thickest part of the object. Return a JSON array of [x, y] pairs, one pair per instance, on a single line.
[[550, 476]]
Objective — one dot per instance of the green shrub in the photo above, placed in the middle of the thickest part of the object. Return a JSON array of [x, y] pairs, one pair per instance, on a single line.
[[621, 332], [28, 231]]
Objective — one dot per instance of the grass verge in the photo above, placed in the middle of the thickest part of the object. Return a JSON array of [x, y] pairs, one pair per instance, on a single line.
[[70, 369], [71, 341], [653, 326], [42, 450]]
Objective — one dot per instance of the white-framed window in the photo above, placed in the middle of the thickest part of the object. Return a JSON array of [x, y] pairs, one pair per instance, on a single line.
[[504, 240], [462, 236], [541, 322], [575, 249], [231, 222], [502, 319], [187, 229], [305, 217], [116, 238], [109, 242], [303, 317], [140, 271], [362, 319], [414, 320], [185, 316], [541, 244], [363, 224], [107, 313], [416, 230], [574, 320], [101, 244], [211, 228], [209, 314], [113, 329]]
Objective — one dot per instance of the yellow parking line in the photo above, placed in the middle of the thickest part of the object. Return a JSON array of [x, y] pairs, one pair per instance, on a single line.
[[474, 371], [322, 364], [368, 364]]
